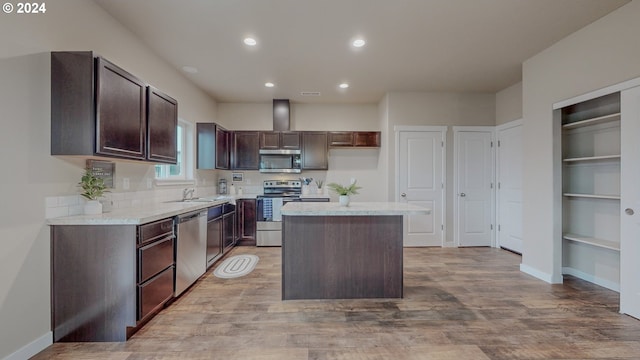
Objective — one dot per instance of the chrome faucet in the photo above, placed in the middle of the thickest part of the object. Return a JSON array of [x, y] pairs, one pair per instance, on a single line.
[[187, 192]]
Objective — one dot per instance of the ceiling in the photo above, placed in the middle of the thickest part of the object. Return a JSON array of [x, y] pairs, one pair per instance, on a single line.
[[305, 46]]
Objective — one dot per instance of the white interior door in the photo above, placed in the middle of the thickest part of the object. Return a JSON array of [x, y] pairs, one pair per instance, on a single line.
[[630, 203], [473, 177], [509, 186], [420, 181]]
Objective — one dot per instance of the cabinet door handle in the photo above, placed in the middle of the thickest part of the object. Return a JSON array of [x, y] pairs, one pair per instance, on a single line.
[[463, 194], [629, 211], [403, 195]]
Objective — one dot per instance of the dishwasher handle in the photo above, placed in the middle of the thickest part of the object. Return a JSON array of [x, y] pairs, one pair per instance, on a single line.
[[191, 216]]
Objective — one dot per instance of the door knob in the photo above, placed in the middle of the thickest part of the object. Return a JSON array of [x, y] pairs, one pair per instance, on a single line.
[[629, 211], [403, 195], [463, 194]]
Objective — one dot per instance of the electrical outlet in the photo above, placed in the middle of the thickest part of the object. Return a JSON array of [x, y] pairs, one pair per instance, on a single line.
[[125, 183]]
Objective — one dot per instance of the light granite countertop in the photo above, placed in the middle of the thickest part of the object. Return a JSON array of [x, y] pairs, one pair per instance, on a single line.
[[147, 213], [354, 209]]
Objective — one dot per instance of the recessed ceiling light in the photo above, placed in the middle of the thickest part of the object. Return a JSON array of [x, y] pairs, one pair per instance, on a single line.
[[189, 69], [358, 43], [250, 41], [269, 84], [343, 86]]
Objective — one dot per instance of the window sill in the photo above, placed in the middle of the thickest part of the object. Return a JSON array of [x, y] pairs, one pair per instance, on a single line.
[[165, 182]]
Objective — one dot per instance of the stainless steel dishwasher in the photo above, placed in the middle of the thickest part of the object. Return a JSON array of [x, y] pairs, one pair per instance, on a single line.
[[191, 249]]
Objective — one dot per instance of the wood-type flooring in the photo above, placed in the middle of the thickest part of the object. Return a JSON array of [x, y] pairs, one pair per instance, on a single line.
[[466, 303]]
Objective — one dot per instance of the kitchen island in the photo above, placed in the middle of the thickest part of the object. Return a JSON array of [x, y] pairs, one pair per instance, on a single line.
[[335, 252]]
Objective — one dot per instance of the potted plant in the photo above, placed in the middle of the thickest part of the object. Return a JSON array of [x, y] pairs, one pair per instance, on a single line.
[[93, 188], [344, 191], [319, 185]]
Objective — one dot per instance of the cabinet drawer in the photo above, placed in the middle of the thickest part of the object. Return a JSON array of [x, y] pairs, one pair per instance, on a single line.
[[155, 292], [155, 230], [155, 257]]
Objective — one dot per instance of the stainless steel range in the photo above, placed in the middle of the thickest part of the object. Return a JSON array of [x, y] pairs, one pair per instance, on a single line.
[[269, 222], [276, 194]]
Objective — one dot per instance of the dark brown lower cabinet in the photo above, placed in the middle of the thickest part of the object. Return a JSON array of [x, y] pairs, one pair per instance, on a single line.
[[246, 222], [108, 280], [154, 293], [229, 231], [342, 257]]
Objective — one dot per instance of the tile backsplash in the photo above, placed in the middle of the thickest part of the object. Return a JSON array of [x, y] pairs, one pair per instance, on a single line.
[[58, 206]]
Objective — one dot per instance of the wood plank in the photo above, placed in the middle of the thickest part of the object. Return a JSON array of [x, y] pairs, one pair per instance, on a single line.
[[466, 303]]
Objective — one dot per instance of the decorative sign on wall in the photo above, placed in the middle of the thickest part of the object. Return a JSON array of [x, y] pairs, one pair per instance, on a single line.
[[104, 170], [237, 177]]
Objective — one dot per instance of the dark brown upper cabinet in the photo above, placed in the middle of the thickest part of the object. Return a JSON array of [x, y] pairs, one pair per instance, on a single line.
[[314, 150], [213, 147], [162, 125], [366, 139], [370, 139], [97, 108], [274, 140], [245, 146], [340, 138], [223, 138]]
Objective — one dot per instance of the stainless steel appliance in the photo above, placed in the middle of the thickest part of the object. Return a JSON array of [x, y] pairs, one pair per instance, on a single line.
[[276, 193], [280, 161], [269, 219], [191, 249]]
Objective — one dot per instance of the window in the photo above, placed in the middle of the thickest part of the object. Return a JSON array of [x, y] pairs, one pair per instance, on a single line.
[[182, 171]]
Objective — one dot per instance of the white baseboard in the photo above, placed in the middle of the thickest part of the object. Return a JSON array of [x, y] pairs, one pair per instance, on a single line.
[[540, 275], [592, 278], [32, 348]]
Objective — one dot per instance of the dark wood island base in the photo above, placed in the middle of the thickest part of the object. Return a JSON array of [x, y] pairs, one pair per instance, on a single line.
[[342, 257]]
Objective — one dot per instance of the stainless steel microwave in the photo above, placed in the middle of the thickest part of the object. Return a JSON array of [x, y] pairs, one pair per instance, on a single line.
[[280, 161]]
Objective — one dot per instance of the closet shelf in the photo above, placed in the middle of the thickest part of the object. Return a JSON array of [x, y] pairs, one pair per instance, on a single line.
[[607, 244], [592, 158], [592, 121], [593, 196]]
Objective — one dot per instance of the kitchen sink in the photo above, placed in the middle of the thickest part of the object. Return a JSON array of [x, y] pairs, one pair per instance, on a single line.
[[191, 200], [199, 199]]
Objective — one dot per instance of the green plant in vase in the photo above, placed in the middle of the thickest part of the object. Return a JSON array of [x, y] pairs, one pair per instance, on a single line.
[[344, 191], [93, 188]]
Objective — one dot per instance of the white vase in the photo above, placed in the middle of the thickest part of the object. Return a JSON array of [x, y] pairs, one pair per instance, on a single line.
[[92, 207], [319, 191], [344, 200]]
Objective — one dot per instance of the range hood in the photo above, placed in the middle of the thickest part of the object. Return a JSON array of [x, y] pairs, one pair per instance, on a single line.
[[281, 115]]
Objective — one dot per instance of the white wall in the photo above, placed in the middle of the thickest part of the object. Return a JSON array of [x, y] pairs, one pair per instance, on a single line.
[[344, 164], [433, 108], [509, 104], [30, 174], [604, 53]]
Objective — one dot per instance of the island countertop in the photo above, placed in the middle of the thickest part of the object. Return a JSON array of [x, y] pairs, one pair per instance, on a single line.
[[354, 209]]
